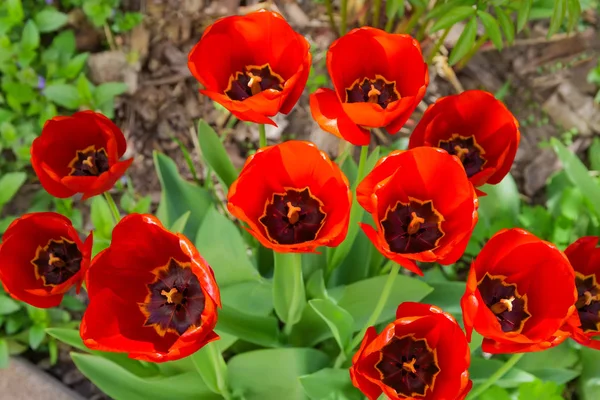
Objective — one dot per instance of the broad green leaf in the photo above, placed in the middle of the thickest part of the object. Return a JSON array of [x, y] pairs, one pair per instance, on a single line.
[[578, 174], [211, 367], [4, 354], [315, 286], [508, 27], [491, 28], [541, 390], [8, 305], [553, 361], [501, 203], [215, 155], [179, 196], [250, 297], [248, 372], [452, 17], [557, 375], [15, 11], [481, 369], [330, 384], [19, 92], [495, 393], [588, 384], [289, 295], [263, 331], [10, 183], [465, 42], [102, 217], [442, 9], [574, 10], [30, 39], [221, 244], [108, 91], [121, 384], [179, 225], [64, 95], [50, 19], [75, 65], [558, 16], [523, 14], [594, 154], [37, 333], [446, 295], [85, 90], [339, 320]]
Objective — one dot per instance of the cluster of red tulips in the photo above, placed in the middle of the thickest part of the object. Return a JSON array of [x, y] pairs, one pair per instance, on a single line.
[[153, 296]]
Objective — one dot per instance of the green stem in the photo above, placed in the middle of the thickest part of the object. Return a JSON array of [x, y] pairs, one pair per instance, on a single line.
[[496, 376], [113, 207], [390, 23], [480, 42], [413, 20], [330, 15], [364, 152], [376, 10], [262, 139], [344, 15], [437, 46], [289, 296]]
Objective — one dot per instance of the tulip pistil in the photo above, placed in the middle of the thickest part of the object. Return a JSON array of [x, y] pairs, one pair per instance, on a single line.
[[415, 223], [252, 81], [89, 162], [293, 214], [588, 302], [57, 262], [504, 301], [410, 366], [503, 305], [378, 91], [467, 150]]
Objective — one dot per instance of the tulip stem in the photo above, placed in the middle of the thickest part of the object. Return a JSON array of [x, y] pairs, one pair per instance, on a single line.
[[344, 14], [364, 152], [376, 9], [495, 376], [330, 15], [437, 46], [113, 207], [385, 294], [289, 295], [262, 136]]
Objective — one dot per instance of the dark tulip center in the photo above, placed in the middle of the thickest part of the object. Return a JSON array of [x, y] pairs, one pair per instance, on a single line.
[[467, 149], [293, 217], [175, 301], [412, 227], [57, 262], [89, 162], [378, 90], [244, 84], [588, 302], [408, 366], [504, 301]]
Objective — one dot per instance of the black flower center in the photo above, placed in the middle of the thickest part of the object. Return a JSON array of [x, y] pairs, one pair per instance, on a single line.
[[244, 84], [408, 366], [57, 262], [293, 217], [378, 90], [175, 301], [467, 149], [588, 302], [412, 227], [504, 301], [89, 162]]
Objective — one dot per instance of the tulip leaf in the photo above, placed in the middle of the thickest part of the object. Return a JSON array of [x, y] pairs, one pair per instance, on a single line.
[[574, 9], [558, 16], [179, 225], [491, 28], [328, 383], [121, 384], [465, 42], [523, 14], [211, 367], [501, 207], [481, 369], [263, 331], [215, 155], [452, 17], [179, 196], [250, 297], [289, 295], [10, 183], [222, 246], [508, 27], [588, 384], [102, 218], [447, 295], [247, 372], [4, 353], [337, 319], [594, 154]]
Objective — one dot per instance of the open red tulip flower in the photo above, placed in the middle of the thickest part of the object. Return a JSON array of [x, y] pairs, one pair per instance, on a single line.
[[151, 294], [584, 256], [520, 291], [423, 205], [293, 198], [42, 257], [477, 128], [254, 65], [423, 354], [379, 79], [79, 154]]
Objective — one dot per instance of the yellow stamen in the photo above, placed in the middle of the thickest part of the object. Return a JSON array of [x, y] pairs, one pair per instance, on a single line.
[[373, 94], [55, 261], [293, 214], [90, 163], [415, 223], [410, 366], [254, 83], [173, 296], [586, 300], [461, 152], [503, 305]]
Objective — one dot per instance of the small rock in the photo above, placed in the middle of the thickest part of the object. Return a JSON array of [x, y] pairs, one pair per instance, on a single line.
[[107, 66]]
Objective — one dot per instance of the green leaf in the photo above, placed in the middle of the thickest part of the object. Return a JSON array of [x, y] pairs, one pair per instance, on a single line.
[[495, 393], [8, 305], [289, 296], [540, 390], [578, 174], [108, 91], [465, 42], [215, 155], [263, 331], [281, 366], [452, 17], [4, 354], [179, 196], [211, 367], [102, 217], [18, 92], [63, 94], [15, 11], [10, 183], [481, 369], [558, 16], [442, 9], [120, 384], [250, 297], [588, 384], [508, 27], [523, 14], [501, 203], [392, 7], [179, 225], [222, 245], [447, 295], [75, 66], [330, 384], [339, 320], [594, 154], [68, 336], [37, 333], [492, 28], [85, 90], [574, 10], [30, 39], [50, 19]]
